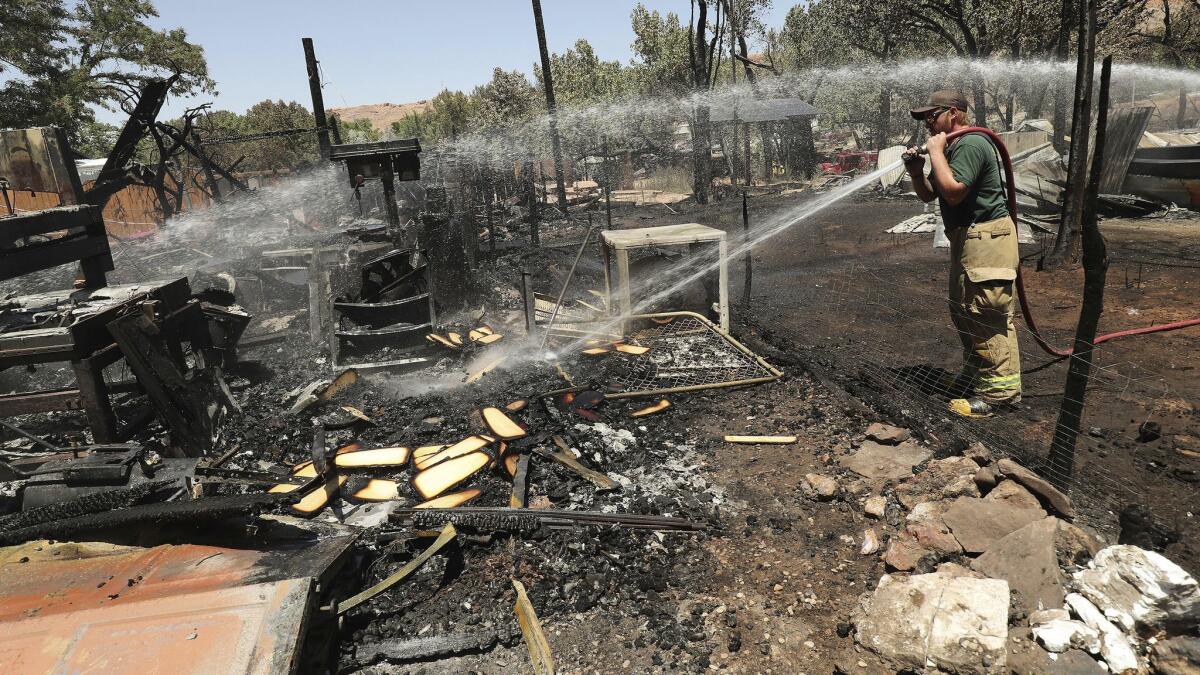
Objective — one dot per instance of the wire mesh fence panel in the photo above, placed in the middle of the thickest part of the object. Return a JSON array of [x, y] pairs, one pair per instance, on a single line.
[[687, 352]]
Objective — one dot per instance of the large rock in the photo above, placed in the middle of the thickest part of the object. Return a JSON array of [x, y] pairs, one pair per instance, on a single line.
[[1059, 502], [1027, 658], [1141, 590], [887, 434], [1177, 656], [963, 486], [1027, 559], [977, 523], [1114, 646], [892, 462], [1012, 493], [1063, 635], [936, 537], [936, 622], [905, 554], [978, 453]]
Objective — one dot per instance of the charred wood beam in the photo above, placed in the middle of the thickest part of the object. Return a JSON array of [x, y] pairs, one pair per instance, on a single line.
[[528, 520]]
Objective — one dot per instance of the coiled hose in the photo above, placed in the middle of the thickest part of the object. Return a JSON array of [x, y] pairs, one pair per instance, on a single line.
[[1021, 295]]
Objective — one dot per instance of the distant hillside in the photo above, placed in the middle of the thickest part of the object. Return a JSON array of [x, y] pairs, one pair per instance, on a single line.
[[381, 115]]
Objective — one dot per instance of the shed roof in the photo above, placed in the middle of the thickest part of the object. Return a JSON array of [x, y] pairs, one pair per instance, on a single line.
[[762, 110]]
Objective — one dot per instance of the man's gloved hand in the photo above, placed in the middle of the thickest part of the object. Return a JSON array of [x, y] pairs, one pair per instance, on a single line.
[[914, 161]]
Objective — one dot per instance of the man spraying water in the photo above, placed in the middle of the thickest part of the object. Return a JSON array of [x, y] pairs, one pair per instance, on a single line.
[[965, 179]]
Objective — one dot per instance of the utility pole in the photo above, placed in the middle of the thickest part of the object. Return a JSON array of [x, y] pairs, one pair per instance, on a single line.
[[314, 87], [551, 109]]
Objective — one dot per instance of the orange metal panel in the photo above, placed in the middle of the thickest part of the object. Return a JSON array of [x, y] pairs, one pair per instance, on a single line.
[[251, 629], [50, 584], [100, 608]]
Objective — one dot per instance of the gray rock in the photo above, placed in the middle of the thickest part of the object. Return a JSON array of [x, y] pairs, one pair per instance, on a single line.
[[986, 478], [893, 462], [1012, 493], [1177, 656], [977, 523], [1027, 559], [824, 487], [936, 623], [1059, 502], [1115, 648], [875, 506], [887, 434], [1141, 590]]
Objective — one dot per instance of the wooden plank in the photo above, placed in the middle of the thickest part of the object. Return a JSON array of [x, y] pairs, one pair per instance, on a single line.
[[47, 221], [40, 401], [22, 261], [93, 394]]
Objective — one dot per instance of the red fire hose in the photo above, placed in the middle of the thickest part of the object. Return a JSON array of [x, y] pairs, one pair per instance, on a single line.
[[1021, 296]]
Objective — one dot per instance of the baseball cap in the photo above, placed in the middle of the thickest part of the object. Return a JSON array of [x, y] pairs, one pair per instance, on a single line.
[[942, 98]]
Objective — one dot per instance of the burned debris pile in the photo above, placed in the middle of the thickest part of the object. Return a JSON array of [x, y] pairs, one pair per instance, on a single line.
[[315, 421]]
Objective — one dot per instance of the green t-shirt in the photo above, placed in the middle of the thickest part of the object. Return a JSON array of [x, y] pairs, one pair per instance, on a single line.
[[974, 164]]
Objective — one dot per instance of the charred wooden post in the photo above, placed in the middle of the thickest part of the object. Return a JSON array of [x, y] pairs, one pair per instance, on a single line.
[[318, 101], [608, 186], [551, 109], [530, 303], [1095, 268], [749, 263], [531, 199], [487, 208]]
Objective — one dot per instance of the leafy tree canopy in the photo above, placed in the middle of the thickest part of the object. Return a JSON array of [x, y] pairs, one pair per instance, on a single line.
[[63, 58]]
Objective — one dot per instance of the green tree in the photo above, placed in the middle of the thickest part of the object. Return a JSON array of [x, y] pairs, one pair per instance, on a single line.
[[31, 34], [581, 78], [507, 99], [359, 131], [280, 152], [100, 53], [660, 47]]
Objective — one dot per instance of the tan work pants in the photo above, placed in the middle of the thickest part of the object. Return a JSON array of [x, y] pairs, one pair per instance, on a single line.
[[983, 267]]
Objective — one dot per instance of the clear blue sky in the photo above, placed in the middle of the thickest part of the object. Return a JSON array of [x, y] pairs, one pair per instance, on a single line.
[[372, 51]]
